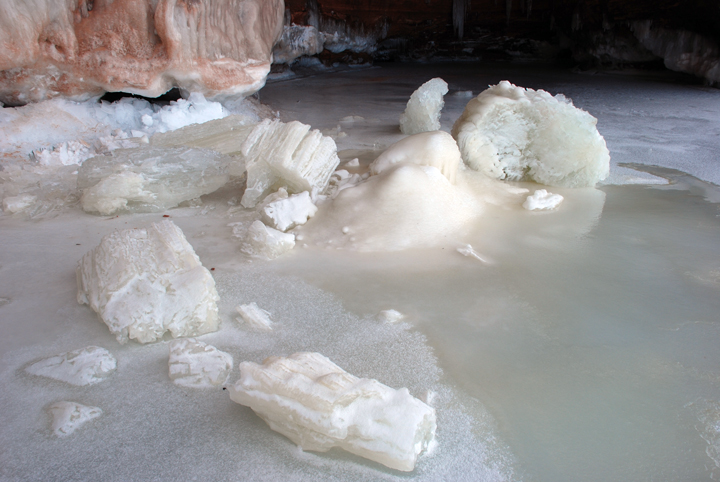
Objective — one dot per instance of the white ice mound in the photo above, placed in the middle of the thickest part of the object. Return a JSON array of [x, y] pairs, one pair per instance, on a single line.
[[513, 133], [542, 200], [144, 282], [318, 405], [286, 155], [265, 242], [437, 149], [85, 366], [196, 364], [422, 113], [289, 212], [70, 416], [255, 317]]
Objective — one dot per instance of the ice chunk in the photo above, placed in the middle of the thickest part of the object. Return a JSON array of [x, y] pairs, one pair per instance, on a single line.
[[144, 282], [196, 364], [84, 366], [255, 316], [292, 211], [390, 316], [422, 113], [519, 134], [149, 179], [70, 416], [16, 204], [542, 200], [437, 149], [318, 405], [263, 241], [288, 155]]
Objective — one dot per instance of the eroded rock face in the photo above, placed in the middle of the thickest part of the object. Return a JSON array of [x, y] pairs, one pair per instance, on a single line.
[[81, 48]]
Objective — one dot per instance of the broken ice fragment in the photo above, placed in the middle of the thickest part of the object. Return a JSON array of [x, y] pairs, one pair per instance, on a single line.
[[287, 213], [84, 366], [70, 416], [318, 405], [435, 149], [390, 316], [422, 113], [196, 364], [144, 282], [255, 316], [267, 242], [542, 200]]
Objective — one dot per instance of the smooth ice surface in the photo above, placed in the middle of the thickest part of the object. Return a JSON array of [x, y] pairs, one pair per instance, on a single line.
[[144, 282], [85, 366], [70, 416], [318, 405], [422, 113], [254, 316], [195, 364], [542, 200], [289, 212], [509, 132], [267, 242], [436, 149]]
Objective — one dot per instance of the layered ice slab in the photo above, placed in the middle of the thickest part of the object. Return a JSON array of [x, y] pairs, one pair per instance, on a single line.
[[518, 134], [422, 113], [149, 179], [70, 416], [318, 405], [286, 155], [145, 282], [85, 366], [196, 364]]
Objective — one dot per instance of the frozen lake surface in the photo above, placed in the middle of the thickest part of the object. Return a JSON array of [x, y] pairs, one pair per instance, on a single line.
[[584, 349]]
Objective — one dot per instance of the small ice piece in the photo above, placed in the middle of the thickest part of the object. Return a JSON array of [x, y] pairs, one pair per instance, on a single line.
[[70, 416], [289, 212], [16, 204], [263, 241], [144, 282], [436, 149], [81, 367], [469, 251], [255, 316], [542, 200], [196, 364], [390, 316], [422, 113], [353, 163], [318, 406]]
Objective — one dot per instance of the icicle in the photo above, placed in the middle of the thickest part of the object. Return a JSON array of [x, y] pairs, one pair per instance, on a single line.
[[460, 8], [508, 9]]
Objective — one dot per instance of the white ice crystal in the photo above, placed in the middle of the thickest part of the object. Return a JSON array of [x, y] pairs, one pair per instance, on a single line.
[[318, 406], [255, 317], [84, 366], [70, 416], [263, 241], [196, 364], [422, 113], [542, 200], [287, 213], [512, 133], [437, 149], [144, 282]]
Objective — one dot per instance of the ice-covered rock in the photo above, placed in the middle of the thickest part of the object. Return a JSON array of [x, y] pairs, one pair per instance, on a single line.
[[255, 317], [145, 282], [542, 200], [390, 316], [81, 367], [513, 133], [318, 406], [286, 155], [437, 149], [196, 364], [70, 416], [149, 179], [422, 113], [16, 204], [267, 242], [287, 213]]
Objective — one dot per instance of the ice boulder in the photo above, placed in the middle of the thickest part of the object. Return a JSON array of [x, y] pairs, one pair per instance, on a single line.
[[265, 242], [289, 212], [518, 134], [196, 364], [422, 113], [85, 366], [437, 149], [541, 200], [318, 406], [145, 282], [70, 416]]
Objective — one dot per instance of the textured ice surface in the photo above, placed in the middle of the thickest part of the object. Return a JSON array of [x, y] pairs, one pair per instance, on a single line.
[[422, 113], [286, 155], [289, 212], [437, 149], [149, 180], [84, 366], [255, 317], [266, 242], [196, 364], [70, 416], [318, 405], [542, 200], [144, 282], [518, 134]]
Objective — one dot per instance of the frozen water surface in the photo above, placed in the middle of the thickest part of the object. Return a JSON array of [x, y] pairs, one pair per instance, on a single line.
[[584, 345]]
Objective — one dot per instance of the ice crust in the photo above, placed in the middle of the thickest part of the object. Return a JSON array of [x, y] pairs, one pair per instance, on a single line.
[[422, 113], [145, 282], [255, 317], [70, 416], [266, 242], [196, 364], [518, 134], [318, 406], [542, 200], [289, 212], [85, 366], [436, 149]]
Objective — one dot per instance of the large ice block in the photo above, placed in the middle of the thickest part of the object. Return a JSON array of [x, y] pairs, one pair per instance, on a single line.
[[318, 405], [196, 364], [145, 282], [518, 134], [422, 113], [85, 366]]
